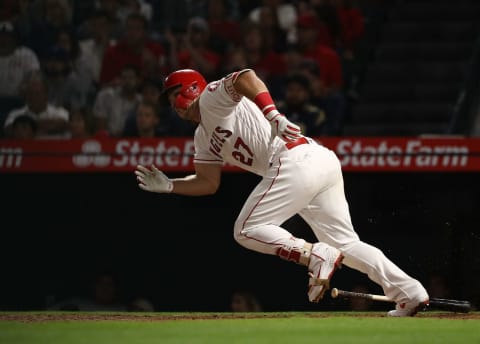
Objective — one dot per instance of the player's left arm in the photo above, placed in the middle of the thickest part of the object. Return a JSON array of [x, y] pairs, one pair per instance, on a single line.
[[205, 181]]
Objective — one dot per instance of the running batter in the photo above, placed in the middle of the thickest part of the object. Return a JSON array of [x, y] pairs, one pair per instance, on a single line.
[[239, 123]]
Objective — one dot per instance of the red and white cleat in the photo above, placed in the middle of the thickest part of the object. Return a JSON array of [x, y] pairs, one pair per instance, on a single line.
[[408, 309], [324, 261]]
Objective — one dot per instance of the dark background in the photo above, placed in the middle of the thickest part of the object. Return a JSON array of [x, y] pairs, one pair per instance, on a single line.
[[60, 230]]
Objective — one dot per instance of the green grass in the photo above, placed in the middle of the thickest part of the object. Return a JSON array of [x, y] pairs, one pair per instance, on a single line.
[[292, 328]]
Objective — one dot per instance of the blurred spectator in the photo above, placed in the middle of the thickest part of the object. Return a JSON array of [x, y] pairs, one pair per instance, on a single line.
[[326, 57], [169, 124], [69, 86], [310, 20], [345, 23], [244, 301], [9, 9], [81, 11], [224, 30], [136, 48], [109, 6], [85, 85], [254, 53], [49, 17], [146, 122], [103, 295], [284, 13], [22, 18], [352, 25], [24, 127], [94, 47], [114, 103], [245, 7], [194, 51], [15, 62], [333, 103], [327, 14], [174, 15], [352, 31], [52, 121], [298, 107], [109, 9], [142, 7], [80, 124], [275, 38]]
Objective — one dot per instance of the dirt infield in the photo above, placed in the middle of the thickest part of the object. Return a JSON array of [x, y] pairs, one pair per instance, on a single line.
[[154, 317]]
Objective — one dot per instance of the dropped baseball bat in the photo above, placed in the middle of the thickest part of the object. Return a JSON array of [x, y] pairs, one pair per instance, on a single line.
[[458, 306]]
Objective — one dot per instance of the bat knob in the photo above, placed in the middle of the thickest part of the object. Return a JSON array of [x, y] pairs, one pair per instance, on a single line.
[[334, 292]]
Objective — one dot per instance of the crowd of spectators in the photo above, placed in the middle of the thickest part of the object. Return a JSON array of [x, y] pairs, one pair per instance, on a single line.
[[76, 69]]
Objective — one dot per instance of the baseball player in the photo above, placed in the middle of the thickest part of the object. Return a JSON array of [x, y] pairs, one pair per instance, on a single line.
[[239, 123]]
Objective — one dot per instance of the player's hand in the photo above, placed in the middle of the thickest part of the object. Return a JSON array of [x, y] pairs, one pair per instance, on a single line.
[[285, 129], [153, 180]]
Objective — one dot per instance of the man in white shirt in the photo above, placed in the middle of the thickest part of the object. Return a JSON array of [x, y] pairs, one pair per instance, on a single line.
[[15, 61], [52, 121], [114, 104], [93, 48]]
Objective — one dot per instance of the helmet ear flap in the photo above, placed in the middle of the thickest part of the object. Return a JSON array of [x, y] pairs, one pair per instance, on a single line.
[[187, 95]]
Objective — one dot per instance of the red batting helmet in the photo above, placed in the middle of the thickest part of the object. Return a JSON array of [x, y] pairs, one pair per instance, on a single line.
[[184, 78]]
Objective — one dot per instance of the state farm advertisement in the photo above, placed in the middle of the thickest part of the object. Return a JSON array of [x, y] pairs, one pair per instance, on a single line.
[[381, 154], [406, 154]]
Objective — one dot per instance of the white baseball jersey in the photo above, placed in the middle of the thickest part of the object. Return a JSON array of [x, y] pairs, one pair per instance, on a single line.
[[233, 129]]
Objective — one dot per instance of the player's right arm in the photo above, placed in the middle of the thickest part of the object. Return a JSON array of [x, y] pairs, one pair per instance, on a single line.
[[205, 181]]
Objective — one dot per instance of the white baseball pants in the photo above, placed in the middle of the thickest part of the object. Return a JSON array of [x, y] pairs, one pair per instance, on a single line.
[[307, 180]]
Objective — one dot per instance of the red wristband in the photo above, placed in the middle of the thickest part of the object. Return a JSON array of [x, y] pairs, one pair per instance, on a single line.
[[264, 102]]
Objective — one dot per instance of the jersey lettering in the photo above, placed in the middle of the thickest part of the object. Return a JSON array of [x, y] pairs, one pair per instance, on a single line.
[[215, 153], [213, 145], [217, 140], [225, 132], [242, 153]]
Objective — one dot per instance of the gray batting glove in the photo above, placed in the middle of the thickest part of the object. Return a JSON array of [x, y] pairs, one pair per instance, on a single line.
[[153, 180]]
